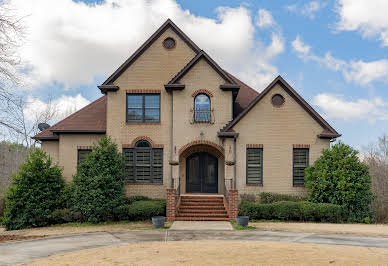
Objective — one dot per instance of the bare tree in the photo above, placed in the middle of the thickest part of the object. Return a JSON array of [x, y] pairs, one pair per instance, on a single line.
[[376, 158]]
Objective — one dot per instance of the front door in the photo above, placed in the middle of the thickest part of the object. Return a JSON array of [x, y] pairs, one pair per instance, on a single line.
[[201, 173]]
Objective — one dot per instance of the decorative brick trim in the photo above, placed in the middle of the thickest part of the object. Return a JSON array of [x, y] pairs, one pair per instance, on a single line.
[[256, 146], [301, 146], [143, 91], [84, 147], [171, 204], [201, 142], [233, 203], [204, 91], [153, 145]]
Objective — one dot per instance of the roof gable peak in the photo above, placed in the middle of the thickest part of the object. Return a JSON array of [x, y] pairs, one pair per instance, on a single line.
[[194, 61], [166, 25]]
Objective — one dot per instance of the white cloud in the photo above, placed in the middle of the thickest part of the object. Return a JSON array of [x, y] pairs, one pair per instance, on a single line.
[[264, 19], [75, 43], [308, 9], [360, 72], [62, 106], [368, 17], [336, 106], [300, 47]]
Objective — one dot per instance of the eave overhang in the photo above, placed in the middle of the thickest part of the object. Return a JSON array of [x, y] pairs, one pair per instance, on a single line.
[[222, 134], [105, 88]]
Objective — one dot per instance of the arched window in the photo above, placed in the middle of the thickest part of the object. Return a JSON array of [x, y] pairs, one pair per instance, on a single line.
[[143, 164], [202, 111]]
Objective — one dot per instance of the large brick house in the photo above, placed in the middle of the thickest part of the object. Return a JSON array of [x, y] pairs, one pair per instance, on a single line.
[[185, 125]]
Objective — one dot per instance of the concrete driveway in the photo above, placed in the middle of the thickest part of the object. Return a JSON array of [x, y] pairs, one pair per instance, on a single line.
[[20, 252]]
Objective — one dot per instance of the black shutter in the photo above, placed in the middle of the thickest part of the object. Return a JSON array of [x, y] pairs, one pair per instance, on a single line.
[[157, 165], [255, 166], [129, 165], [300, 162]]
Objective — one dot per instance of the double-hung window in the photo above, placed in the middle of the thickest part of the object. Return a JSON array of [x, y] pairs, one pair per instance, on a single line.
[[143, 108], [300, 163], [143, 164], [255, 166], [82, 154]]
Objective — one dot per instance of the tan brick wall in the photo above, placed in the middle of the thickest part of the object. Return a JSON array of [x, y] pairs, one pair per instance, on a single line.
[[51, 148], [277, 129], [68, 152], [154, 68]]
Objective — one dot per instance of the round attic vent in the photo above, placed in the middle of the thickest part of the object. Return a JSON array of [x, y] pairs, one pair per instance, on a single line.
[[277, 100], [169, 43]]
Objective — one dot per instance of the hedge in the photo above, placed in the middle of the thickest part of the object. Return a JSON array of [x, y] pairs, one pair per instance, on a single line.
[[293, 211], [140, 210], [268, 197]]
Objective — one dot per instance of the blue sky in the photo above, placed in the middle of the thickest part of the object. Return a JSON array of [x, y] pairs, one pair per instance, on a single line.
[[332, 52]]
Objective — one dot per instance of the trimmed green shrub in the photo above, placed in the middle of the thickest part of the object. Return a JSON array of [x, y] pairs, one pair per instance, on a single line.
[[34, 193], [98, 186], [2, 206], [140, 210], [338, 177], [292, 211], [130, 200], [269, 197], [248, 197]]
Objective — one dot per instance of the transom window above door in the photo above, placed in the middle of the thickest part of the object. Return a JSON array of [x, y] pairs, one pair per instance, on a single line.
[[202, 112], [143, 108]]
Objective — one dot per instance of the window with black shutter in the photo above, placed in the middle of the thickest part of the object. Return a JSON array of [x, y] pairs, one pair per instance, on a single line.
[[300, 163], [254, 166], [82, 154], [143, 164]]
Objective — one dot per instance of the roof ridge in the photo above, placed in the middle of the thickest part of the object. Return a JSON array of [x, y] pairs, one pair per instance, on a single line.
[[74, 115]]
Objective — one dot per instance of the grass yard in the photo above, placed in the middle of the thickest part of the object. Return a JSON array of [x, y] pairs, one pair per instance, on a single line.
[[374, 230], [74, 228], [221, 253]]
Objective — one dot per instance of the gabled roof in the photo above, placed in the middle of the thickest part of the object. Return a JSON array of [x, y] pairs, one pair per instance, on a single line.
[[246, 94], [328, 131], [202, 55], [90, 119], [148, 43]]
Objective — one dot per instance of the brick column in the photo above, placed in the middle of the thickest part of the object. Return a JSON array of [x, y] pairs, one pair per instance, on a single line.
[[233, 203], [170, 204]]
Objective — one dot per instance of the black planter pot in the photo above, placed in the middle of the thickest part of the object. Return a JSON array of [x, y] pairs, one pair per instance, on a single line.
[[158, 221], [242, 220]]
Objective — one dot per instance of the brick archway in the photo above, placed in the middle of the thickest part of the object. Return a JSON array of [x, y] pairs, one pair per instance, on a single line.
[[153, 145], [201, 145]]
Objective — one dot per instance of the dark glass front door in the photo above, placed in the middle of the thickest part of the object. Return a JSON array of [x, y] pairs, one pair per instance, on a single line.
[[201, 173]]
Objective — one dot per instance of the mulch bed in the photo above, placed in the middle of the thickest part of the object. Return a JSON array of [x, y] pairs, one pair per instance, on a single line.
[[4, 238]]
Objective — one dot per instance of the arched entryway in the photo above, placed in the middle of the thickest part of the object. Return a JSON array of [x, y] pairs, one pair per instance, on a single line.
[[201, 168], [201, 173]]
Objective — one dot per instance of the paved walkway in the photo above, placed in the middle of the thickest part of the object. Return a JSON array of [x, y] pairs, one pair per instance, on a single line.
[[203, 225], [20, 252]]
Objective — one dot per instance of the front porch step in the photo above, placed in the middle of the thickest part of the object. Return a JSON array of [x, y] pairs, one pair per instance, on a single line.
[[202, 208], [201, 219], [188, 210]]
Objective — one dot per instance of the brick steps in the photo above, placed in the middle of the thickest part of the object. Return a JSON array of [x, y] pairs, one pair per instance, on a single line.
[[201, 208]]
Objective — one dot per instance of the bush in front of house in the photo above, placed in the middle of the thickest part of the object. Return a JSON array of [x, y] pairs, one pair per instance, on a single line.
[[34, 193], [293, 211], [338, 177], [140, 210], [248, 197], [98, 186], [269, 197]]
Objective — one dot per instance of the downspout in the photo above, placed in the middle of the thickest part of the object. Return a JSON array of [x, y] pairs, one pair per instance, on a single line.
[[172, 138], [234, 160]]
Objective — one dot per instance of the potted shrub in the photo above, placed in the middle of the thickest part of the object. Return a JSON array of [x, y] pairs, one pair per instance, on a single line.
[[172, 162], [242, 220], [158, 221]]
